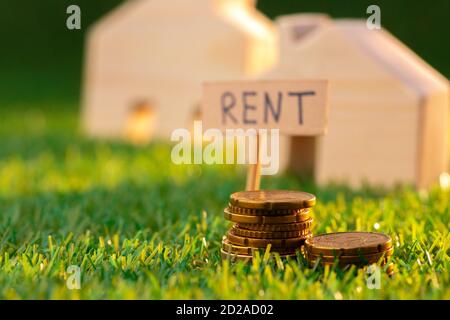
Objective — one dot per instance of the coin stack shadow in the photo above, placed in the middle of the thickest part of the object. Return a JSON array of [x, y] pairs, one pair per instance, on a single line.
[[278, 218]]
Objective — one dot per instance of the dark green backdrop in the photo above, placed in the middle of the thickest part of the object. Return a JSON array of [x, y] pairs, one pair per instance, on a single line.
[[41, 59]]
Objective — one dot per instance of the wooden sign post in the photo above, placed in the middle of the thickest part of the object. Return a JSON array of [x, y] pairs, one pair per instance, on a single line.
[[295, 107], [254, 170]]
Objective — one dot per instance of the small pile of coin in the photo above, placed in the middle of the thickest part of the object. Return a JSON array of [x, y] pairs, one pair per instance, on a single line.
[[279, 218], [348, 248]]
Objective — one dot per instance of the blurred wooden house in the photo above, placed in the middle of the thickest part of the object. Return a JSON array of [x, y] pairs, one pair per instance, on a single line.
[[146, 60], [388, 120]]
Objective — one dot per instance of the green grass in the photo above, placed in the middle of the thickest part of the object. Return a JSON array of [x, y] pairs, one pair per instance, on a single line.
[[141, 227]]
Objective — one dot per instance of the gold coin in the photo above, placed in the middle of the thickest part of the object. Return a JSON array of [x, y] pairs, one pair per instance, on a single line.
[[264, 212], [278, 227], [262, 243], [239, 218], [228, 247], [272, 199], [270, 234], [361, 259], [235, 257], [238, 257], [348, 243]]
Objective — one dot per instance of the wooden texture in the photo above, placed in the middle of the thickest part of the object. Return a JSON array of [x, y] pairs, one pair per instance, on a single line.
[[159, 52], [295, 107], [253, 181], [388, 117]]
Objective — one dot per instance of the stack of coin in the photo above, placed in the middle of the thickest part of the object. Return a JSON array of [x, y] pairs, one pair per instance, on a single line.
[[280, 218], [348, 248]]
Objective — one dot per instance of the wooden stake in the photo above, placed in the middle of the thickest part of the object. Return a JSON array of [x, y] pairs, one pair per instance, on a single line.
[[254, 170]]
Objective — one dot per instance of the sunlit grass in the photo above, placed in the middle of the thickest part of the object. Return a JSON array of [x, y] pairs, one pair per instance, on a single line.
[[141, 227]]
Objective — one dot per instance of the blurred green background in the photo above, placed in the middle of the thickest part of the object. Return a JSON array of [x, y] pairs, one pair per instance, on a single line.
[[41, 59], [142, 227]]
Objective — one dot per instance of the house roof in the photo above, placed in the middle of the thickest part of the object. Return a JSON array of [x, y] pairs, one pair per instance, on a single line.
[[393, 55], [132, 12], [381, 47]]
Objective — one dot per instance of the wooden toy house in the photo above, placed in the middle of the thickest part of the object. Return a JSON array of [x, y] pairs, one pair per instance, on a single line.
[[388, 117], [146, 62]]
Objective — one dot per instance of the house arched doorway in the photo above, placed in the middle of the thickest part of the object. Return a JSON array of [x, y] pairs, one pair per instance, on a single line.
[[140, 124]]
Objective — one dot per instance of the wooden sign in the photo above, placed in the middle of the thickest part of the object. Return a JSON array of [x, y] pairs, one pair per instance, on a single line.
[[296, 107]]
